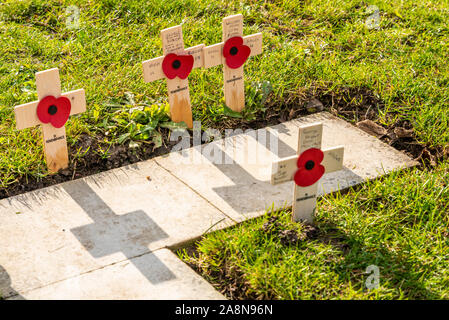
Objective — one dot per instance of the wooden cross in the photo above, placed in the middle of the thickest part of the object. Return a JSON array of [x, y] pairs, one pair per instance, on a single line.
[[304, 201], [178, 88], [234, 89], [48, 84]]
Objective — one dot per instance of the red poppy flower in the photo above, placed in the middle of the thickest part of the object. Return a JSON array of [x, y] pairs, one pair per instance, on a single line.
[[310, 169], [54, 110], [235, 52], [177, 65]]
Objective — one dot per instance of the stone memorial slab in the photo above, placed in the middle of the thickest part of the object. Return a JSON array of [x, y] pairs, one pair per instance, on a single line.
[[234, 173], [88, 229], [62, 231], [158, 275]]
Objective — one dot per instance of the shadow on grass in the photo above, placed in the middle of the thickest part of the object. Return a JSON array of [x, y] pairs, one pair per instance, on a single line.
[[396, 270]]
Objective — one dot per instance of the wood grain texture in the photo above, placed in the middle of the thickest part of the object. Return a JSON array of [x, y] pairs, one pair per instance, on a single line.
[[304, 199], [55, 142], [234, 82], [213, 55], [152, 69], [55, 147], [179, 100], [234, 79], [54, 139], [178, 89], [48, 83], [255, 42], [198, 55]]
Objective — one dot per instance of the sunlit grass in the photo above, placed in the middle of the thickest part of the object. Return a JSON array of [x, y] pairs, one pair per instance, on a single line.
[[307, 45], [399, 224]]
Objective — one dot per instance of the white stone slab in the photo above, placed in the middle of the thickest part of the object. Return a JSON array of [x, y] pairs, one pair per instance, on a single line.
[[170, 279], [242, 189], [80, 229], [62, 231]]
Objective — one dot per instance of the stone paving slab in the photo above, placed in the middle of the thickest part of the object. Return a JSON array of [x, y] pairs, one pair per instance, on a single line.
[[99, 224], [241, 188], [62, 231], [153, 276]]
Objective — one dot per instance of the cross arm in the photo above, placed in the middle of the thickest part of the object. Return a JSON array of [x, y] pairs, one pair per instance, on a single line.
[[152, 69], [283, 170], [26, 115], [213, 55]]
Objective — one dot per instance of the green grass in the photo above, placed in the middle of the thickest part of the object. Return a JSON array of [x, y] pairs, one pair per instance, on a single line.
[[399, 223], [311, 48]]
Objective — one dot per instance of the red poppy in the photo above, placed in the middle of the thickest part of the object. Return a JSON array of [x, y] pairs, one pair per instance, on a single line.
[[235, 52], [310, 169], [177, 65], [54, 110]]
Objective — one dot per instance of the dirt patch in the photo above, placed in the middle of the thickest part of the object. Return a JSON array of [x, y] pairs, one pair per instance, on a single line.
[[288, 236], [93, 162], [229, 281], [362, 107], [355, 105]]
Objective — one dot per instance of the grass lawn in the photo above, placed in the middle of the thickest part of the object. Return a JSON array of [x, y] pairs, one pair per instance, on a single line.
[[395, 73], [399, 224]]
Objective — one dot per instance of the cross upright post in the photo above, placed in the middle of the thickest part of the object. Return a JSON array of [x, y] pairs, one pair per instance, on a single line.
[[306, 169], [175, 66], [51, 111], [232, 54]]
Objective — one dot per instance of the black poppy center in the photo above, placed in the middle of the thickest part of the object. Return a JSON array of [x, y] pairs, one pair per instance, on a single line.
[[310, 164], [176, 64], [52, 109], [234, 51]]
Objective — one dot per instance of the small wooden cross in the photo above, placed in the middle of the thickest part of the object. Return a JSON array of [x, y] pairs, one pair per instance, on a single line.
[[313, 163], [214, 55], [51, 112], [177, 84]]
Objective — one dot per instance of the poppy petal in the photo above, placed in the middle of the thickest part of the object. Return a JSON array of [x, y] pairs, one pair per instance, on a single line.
[[235, 52], [231, 42], [305, 178], [42, 109], [60, 118], [312, 154], [186, 66], [175, 65], [62, 111], [167, 66]]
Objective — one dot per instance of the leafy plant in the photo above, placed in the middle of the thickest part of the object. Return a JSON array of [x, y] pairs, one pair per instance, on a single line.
[[256, 96], [135, 123]]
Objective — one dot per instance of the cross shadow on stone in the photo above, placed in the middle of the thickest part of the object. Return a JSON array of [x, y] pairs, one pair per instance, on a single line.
[[111, 233], [6, 291]]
